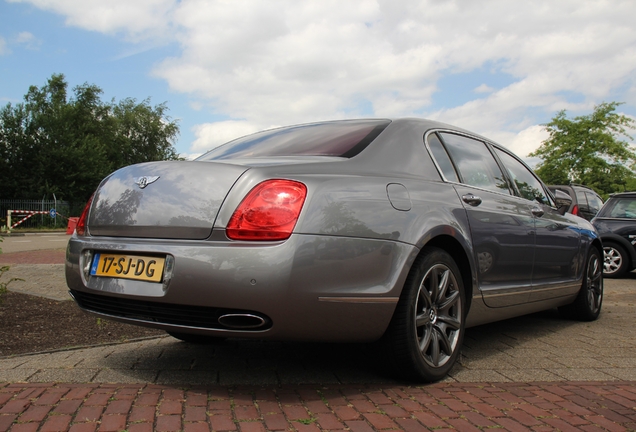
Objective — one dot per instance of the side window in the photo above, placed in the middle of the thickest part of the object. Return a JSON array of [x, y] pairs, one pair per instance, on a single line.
[[527, 184], [624, 208], [594, 201], [476, 165], [442, 159], [582, 199]]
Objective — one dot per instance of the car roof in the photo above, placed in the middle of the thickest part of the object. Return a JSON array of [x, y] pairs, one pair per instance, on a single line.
[[623, 194], [573, 185]]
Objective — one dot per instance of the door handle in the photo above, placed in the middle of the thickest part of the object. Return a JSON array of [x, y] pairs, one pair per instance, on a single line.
[[537, 211], [471, 199]]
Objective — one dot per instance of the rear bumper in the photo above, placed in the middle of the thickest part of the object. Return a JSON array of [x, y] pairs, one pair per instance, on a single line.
[[305, 288]]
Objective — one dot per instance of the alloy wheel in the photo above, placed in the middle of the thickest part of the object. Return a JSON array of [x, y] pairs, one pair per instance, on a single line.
[[438, 315], [594, 283], [612, 260]]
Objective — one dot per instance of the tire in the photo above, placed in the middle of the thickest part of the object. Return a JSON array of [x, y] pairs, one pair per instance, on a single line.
[[587, 305], [424, 338], [615, 260], [196, 338]]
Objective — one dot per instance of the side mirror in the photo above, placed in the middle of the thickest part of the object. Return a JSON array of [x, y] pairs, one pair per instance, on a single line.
[[563, 201]]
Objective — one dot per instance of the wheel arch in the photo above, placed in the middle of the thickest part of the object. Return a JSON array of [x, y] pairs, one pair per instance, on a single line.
[[596, 243]]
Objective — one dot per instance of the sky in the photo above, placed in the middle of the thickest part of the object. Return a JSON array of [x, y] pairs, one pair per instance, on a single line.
[[226, 68]]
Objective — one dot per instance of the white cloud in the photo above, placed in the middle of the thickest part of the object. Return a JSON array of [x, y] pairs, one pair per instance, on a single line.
[[138, 19], [327, 60], [28, 40], [211, 135], [281, 62], [295, 61], [24, 37], [190, 156], [484, 88], [528, 140]]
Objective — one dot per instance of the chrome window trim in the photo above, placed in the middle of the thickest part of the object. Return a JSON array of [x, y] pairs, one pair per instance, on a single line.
[[439, 170]]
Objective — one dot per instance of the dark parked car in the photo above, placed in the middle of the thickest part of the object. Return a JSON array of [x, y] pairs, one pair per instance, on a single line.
[[399, 231], [616, 225], [585, 201]]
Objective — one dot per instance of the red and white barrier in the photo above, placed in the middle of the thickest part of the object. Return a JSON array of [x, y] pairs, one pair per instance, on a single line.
[[26, 213]]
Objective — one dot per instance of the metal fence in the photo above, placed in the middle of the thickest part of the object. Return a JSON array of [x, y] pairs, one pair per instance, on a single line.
[[62, 211]]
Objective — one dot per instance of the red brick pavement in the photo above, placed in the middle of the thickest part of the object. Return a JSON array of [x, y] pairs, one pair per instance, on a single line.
[[562, 406], [47, 256]]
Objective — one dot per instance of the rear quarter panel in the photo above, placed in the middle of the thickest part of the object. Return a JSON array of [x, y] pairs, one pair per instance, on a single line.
[[341, 206], [348, 198]]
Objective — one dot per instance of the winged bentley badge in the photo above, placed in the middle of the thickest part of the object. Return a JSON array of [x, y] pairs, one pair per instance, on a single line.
[[144, 181]]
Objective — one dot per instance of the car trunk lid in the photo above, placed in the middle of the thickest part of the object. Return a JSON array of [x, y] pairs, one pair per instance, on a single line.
[[170, 200]]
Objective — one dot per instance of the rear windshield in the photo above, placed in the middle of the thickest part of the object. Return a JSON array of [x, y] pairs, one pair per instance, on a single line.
[[340, 138]]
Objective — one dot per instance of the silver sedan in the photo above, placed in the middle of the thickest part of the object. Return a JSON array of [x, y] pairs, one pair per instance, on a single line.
[[400, 231]]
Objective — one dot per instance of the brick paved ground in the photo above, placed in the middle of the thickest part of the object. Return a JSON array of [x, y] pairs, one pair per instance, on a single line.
[[55, 256], [37, 272], [574, 406]]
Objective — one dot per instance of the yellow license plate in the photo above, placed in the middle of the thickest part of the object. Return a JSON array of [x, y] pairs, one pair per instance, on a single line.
[[136, 267]]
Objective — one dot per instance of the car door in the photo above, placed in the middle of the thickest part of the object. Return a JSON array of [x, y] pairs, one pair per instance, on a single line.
[[557, 250], [501, 224]]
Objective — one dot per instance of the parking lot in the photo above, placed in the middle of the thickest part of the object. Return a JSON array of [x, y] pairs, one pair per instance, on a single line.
[[538, 347], [538, 372]]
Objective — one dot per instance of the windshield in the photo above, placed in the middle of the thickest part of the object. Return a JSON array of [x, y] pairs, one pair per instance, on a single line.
[[339, 138]]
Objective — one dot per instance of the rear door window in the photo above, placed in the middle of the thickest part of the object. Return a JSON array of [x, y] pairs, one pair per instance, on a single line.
[[594, 201], [581, 198], [476, 165], [441, 157]]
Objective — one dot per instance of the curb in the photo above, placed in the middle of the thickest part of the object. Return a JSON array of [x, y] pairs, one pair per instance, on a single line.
[[80, 347]]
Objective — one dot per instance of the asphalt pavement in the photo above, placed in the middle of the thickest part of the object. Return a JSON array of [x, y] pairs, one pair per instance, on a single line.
[[538, 372], [33, 241]]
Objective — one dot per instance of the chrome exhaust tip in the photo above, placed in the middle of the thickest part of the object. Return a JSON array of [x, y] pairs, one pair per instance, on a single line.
[[241, 321]]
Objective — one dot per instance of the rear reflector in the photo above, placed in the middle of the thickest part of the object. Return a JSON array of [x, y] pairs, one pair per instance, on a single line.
[[268, 212]]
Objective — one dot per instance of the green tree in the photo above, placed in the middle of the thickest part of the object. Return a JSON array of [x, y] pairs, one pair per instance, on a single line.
[[141, 133], [53, 143], [589, 150]]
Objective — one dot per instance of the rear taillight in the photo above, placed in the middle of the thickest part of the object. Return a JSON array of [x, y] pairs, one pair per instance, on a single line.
[[575, 210], [80, 228], [268, 212]]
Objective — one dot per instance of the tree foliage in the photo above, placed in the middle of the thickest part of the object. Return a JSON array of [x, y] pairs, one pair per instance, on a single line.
[[56, 144], [589, 150]]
